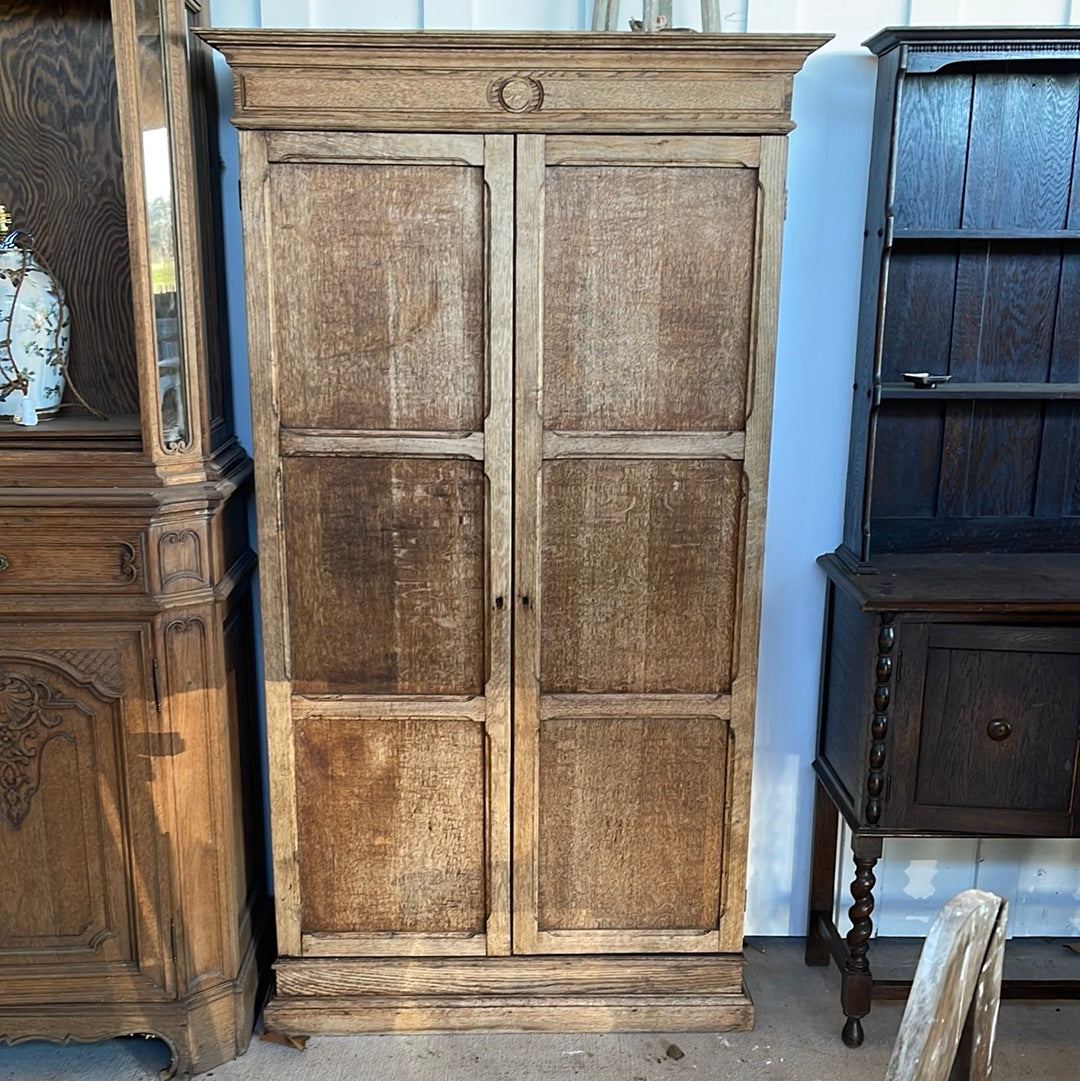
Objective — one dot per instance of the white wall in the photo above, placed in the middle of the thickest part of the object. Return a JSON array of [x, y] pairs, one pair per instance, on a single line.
[[829, 156]]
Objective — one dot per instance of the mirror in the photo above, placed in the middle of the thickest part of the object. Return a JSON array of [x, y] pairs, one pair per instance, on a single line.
[[161, 226]]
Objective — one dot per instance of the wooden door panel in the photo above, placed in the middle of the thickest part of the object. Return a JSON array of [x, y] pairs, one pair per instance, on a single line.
[[992, 726], [391, 826], [71, 881], [382, 384], [1000, 720], [647, 336], [631, 814], [639, 561], [641, 458], [383, 319], [77, 814], [1038, 698], [386, 575]]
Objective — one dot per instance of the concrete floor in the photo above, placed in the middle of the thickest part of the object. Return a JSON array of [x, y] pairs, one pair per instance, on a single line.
[[796, 1037]]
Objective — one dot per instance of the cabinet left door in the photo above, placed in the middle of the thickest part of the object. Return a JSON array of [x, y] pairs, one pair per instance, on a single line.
[[380, 332], [81, 836]]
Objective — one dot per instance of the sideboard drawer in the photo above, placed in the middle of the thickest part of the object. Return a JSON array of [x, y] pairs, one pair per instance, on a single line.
[[71, 559], [988, 720]]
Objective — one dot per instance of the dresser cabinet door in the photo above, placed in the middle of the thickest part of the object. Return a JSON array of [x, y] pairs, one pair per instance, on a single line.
[[80, 836], [381, 303], [639, 503], [987, 729]]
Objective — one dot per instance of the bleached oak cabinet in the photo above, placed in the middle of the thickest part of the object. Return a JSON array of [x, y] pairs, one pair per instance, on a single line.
[[512, 305]]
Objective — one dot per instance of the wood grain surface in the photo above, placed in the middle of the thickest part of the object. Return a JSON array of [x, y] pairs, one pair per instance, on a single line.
[[980, 283], [503, 1013], [1021, 150], [78, 921], [138, 887], [386, 574], [72, 906], [634, 465], [951, 1014], [648, 276], [379, 295], [639, 562], [391, 825], [63, 179], [453, 82], [931, 151], [1034, 692], [631, 817], [1048, 583], [695, 975], [381, 528], [630, 496], [983, 311]]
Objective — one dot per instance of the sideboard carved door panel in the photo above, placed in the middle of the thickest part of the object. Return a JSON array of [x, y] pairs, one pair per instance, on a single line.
[[640, 477], [76, 814], [385, 435]]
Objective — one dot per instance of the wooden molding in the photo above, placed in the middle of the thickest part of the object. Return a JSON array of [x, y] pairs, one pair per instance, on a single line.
[[513, 82]]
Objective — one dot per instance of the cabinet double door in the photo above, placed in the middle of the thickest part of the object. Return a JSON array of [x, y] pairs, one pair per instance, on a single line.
[[510, 511]]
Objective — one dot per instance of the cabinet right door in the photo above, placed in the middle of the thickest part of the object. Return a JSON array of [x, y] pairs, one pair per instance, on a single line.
[[645, 309]]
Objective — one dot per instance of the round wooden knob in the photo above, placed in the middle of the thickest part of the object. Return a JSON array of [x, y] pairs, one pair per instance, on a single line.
[[999, 730]]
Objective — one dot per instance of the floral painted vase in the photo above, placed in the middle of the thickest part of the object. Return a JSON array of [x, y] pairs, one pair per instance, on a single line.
[[35, 329]]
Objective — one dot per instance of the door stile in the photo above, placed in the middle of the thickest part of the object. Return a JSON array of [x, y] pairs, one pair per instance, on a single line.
[[266, 425], [769, 241], [499, 470], [528, 423]]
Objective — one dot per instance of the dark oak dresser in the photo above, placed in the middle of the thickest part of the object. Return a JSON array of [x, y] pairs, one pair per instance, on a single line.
[[951, 679], [130, 812]]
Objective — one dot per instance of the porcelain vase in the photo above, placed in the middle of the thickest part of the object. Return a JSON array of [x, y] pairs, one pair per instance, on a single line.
[[35, 329]]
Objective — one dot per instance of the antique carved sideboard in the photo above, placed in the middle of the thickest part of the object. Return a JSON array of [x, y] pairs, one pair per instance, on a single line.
[[511, 306], [130, 817]]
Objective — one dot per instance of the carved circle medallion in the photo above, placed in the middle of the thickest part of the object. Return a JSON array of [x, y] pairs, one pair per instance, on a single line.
[[516, 94]]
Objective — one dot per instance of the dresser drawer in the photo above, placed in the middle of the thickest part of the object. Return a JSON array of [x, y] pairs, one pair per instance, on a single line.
[[71, 559], [987, 724]]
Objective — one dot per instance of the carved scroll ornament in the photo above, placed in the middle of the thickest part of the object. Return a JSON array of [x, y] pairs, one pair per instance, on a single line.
[[30, 713]]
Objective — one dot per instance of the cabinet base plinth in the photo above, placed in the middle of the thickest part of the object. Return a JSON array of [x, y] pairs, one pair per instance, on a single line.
[[337, 997], [201, 1031]]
